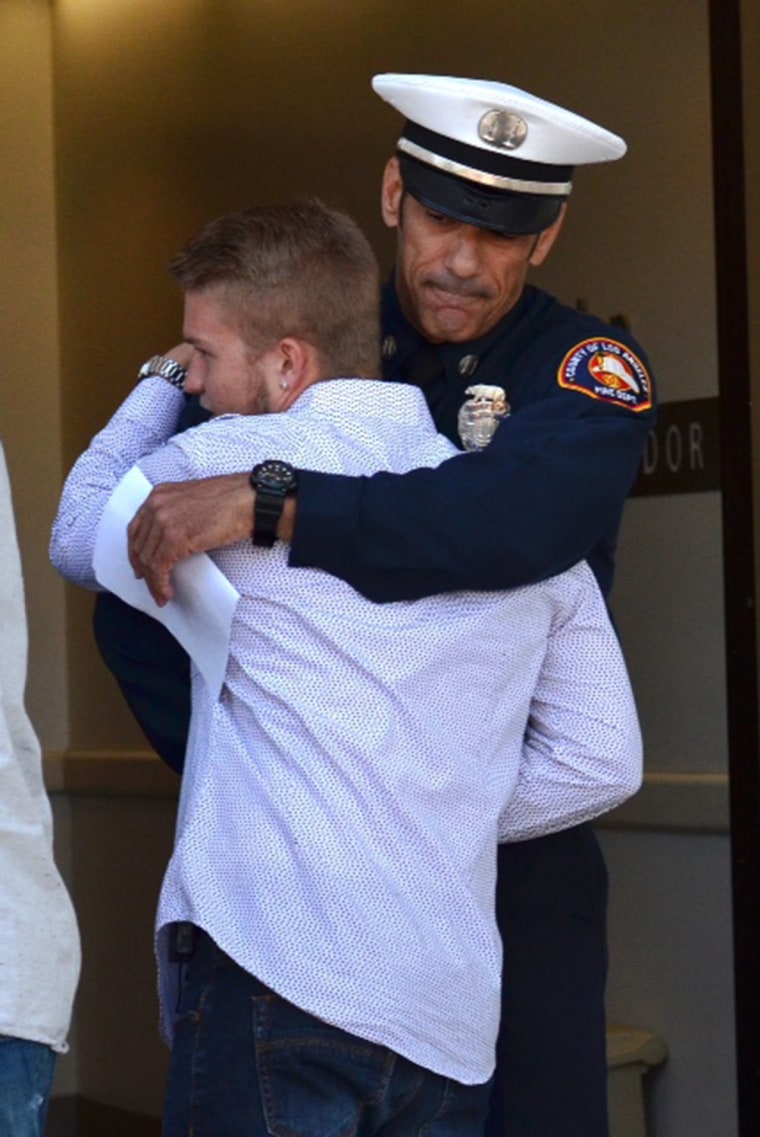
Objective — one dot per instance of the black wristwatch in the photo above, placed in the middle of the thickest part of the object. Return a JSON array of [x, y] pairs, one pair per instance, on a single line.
[[273, 481]]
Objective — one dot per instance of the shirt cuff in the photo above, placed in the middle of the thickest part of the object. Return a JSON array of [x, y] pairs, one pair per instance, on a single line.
[[327, 523]]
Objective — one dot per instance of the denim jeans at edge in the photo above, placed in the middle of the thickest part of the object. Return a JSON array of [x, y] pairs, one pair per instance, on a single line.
[[26, 1076], [247, 1063]]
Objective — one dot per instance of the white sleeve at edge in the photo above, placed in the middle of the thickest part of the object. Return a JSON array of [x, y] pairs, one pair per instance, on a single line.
[[146, 419], [582, 753]]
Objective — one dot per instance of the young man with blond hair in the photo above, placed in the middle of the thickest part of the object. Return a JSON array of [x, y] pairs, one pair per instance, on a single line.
[[328, 952]]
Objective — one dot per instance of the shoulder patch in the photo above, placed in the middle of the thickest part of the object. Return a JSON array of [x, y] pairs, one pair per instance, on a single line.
[[607, 370]]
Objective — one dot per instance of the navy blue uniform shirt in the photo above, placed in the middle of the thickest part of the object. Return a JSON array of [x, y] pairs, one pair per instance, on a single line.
[[547, 492]]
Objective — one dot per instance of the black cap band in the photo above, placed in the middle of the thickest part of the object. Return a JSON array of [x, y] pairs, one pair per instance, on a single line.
[[503, 211], [498, 169]]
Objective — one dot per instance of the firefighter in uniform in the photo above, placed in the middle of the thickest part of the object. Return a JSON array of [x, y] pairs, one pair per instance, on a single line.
[[553, 406]]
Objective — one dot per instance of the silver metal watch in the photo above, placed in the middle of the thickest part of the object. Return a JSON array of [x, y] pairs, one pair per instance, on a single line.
[[168, 369]]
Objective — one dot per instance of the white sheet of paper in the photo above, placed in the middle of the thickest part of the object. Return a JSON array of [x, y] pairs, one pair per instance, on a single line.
[[200, 616]]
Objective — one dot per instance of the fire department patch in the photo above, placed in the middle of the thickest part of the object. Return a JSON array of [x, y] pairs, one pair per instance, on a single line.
[[607, 370]]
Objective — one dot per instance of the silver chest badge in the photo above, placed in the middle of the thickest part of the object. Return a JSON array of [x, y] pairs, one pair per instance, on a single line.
[[480, 415]]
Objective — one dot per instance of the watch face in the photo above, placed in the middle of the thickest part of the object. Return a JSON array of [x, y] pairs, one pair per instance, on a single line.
[[273, 475]]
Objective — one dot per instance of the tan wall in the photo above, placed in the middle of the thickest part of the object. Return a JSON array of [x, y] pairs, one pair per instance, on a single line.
[[30, 416], [122, 845]]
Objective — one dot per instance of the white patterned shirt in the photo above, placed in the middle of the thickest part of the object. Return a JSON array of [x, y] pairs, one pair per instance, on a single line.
[[39, 939], [342, 800]]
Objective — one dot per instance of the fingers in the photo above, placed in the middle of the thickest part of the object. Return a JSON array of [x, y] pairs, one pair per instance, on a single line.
[[181, 518], [160, 587], [182, 354], [154, 547]]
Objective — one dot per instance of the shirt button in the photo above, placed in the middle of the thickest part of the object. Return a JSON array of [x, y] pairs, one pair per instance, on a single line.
[[389, 347], [468, 365]]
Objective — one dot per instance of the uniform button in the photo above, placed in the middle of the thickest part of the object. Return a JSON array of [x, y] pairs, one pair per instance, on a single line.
[[389, 347], [468, 365]]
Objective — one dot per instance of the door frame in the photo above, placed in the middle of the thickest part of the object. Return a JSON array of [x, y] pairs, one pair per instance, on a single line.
[[735, 403]]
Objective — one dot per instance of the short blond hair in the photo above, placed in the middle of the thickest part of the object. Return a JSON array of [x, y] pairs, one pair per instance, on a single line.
[[302, 270]]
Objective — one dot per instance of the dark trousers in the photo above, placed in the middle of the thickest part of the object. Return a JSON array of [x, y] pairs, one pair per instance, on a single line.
[[551, 1077], [246, 1063]]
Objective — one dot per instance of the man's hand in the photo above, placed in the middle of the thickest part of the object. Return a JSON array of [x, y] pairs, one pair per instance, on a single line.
[[181, 354], [181, 518]]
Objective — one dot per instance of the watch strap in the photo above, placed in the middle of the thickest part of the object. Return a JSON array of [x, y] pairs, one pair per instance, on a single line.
[[272, 480], [166, 368], [267, 513]]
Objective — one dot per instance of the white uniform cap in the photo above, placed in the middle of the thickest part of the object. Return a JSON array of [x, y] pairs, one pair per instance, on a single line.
[[512, 152]]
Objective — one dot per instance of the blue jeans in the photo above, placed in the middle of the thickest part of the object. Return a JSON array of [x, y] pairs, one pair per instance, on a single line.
[[26, 1075], [246, 1063]]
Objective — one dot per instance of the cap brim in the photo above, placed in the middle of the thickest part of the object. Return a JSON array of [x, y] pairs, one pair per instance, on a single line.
[[500, 210]]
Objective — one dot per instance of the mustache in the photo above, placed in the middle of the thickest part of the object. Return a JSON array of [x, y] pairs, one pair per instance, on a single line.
[[449, 282]]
